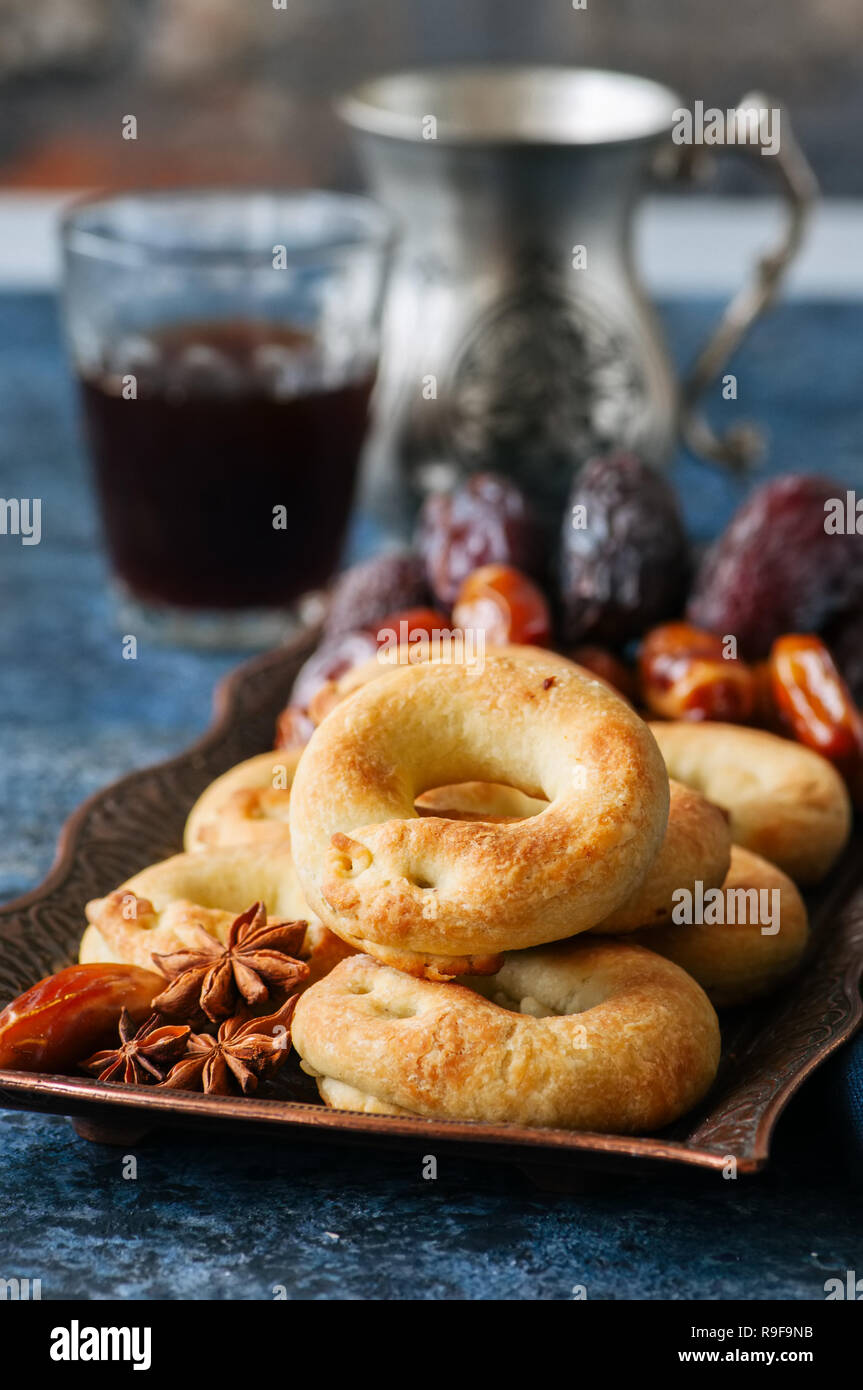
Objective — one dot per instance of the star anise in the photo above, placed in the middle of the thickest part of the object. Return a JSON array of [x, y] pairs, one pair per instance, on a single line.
[[209, 976], [143, 1056], [245, 1051]]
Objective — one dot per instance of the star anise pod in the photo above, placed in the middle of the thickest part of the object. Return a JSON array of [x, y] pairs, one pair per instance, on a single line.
[[143, 1056], [259, 955], [244, 1051]]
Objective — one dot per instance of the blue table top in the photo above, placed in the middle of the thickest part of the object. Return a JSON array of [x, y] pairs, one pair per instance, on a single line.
[[230, 1218]]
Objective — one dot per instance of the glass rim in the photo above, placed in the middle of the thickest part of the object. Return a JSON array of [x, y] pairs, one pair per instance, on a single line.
[[375, 228]]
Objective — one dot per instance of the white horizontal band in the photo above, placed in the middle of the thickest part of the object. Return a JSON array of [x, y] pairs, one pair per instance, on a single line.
[[684, 246]]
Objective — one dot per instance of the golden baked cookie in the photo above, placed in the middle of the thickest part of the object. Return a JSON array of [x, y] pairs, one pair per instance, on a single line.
[[333, 692], [736, 961], [246, 805], [696, 846], [586, 1034], [442, 897], [784, 802], [209, 889]]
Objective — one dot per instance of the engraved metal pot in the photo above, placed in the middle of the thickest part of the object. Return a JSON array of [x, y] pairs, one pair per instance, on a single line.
[[518, 336]]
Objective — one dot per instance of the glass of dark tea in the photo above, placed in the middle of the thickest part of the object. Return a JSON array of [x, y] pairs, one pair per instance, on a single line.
[[226, 345]]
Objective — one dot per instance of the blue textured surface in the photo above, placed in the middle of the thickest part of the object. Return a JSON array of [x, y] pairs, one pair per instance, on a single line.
[[231, 1219]]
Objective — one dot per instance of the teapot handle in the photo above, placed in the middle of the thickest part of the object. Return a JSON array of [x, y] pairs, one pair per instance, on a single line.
[[743, 444]]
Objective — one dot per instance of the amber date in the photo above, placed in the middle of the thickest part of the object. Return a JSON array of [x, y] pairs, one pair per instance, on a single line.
[[686, 673], [816, 706], [504, 604], [67, 1016], [409, 623]]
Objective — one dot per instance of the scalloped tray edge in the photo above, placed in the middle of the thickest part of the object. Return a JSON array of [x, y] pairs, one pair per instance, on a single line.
[[738, 1124]]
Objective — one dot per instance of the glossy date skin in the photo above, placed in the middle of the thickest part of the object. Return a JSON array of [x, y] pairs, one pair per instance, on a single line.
[[504, 604], [69, 1015], [815, 705], [685, 674]]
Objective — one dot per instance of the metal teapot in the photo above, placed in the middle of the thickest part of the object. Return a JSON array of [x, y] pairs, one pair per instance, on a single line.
[[517, 335]]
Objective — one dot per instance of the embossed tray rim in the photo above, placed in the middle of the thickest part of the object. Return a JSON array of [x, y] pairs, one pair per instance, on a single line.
[[839, 963]]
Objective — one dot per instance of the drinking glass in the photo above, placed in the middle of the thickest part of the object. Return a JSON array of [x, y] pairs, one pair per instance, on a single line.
[[226, 347]]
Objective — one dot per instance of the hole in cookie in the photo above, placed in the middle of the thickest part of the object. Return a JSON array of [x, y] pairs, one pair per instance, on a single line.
[[357, 988], [488, 987], [356, 864], [348, 857], [479, 801], [419, 882]]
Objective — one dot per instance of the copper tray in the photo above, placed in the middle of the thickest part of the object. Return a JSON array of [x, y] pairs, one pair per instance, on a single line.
[[768, 1049]]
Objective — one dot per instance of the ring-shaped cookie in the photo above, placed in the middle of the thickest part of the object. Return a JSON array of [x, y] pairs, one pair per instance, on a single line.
[[206, 889], [696, 846], [442, 897], [740, 960], [247, 805], [784, 802], [333, 692], [587, 1035]]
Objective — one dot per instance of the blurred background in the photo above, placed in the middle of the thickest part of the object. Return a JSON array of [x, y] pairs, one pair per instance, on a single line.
[[240, 91]]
